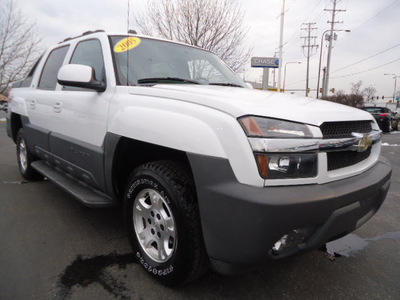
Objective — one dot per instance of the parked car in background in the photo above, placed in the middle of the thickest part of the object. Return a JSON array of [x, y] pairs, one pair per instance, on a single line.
[[386, 119]]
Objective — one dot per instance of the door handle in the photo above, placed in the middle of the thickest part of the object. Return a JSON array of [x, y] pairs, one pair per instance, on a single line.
[[57, 107], [32, 104]]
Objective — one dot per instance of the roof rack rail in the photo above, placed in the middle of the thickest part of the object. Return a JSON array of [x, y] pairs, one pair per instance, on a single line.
[[90, 32], [83, 34]]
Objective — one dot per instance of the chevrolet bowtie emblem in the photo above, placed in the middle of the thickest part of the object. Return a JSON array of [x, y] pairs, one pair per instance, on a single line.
[[365, 143]]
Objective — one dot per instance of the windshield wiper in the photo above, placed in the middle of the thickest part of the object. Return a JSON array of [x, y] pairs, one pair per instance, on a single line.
[[225, 84], [166, 80]]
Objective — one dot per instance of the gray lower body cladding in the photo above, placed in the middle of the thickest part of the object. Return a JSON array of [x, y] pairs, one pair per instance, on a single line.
[[241, 223]]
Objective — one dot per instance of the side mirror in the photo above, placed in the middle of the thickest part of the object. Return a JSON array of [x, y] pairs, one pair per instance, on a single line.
[[79, 76]]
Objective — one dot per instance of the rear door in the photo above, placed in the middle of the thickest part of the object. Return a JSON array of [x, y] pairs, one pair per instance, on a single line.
[[39, 99]]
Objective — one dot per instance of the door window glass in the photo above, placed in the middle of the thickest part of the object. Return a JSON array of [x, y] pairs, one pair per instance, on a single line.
[[89, 53], [48, 79]]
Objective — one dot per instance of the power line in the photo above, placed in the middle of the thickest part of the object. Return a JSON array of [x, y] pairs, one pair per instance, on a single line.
[[348, 66], [312, 11], [377, 14], [357, 73], [368, 70], [395, 2]]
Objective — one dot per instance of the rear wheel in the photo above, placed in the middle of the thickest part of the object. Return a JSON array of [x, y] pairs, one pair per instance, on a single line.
[[163, 223], [386, 127], [395, 125], [25, 158]]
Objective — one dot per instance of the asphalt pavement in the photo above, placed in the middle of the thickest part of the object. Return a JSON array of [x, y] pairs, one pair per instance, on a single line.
[[52, 247]]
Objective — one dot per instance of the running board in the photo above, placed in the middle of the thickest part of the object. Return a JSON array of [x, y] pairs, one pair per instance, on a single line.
[[84, 193]]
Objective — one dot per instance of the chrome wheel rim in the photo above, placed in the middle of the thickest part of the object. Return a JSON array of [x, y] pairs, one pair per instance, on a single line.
[[23, 159], [154, 225]]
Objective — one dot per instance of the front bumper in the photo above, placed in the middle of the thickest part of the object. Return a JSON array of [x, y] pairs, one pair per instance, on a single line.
[[242, 223]]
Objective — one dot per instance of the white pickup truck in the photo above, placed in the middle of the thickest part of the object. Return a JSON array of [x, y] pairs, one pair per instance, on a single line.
[[208, 171]]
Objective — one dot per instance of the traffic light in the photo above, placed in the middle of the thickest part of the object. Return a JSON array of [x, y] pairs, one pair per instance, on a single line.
[[383, 97]]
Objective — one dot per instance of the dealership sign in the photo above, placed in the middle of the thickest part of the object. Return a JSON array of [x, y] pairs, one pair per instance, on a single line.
[[264, 62]]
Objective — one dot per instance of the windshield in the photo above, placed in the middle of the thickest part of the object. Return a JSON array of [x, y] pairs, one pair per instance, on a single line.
[[374, 109], [146, 61]]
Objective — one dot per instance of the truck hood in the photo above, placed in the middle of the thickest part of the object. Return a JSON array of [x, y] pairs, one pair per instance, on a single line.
[[242, 101]]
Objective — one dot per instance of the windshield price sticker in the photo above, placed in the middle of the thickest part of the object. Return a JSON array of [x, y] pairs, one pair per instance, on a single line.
[[127, 44]]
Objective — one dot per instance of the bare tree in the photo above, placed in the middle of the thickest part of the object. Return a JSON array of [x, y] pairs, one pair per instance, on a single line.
[[369, 92], [19, 45], [356, 88], [215, 25], [354, 100]]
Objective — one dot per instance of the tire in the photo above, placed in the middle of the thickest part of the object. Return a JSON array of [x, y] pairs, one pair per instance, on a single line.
[[163, 223], [395, 125], [25, 158], [386, 127]]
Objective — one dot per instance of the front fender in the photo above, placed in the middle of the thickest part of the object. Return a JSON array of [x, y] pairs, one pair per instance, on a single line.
[[168, 129], [188, 127]]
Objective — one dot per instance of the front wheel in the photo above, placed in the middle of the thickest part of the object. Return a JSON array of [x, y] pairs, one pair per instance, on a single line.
[[163, 223]]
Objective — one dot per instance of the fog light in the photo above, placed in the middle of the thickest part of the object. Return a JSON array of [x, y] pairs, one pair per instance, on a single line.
[[288, 241]]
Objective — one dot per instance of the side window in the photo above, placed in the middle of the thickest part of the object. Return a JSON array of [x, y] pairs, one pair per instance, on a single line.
[[89, 53], [48, 80], [28, 79]]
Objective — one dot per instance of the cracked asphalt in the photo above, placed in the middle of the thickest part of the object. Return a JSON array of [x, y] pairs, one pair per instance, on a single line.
[[52, 247]]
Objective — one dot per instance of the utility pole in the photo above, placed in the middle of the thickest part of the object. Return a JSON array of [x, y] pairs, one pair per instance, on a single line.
[[281, 45], [328, 64], [274, 73], [309, 43], [320, 54]]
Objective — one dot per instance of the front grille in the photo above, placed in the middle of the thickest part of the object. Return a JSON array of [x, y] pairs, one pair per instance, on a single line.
[[343, 159], [335, 130]]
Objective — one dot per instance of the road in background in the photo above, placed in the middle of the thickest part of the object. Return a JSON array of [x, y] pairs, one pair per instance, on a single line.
[[52, 247], [2, 116]]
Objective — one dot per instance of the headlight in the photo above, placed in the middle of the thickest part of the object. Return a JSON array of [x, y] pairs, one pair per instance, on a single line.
[[280, 164], [286, 165], [273, 128]]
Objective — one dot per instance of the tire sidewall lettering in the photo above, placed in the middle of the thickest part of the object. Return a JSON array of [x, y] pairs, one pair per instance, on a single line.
[[154, 270], [173, 183], [149, 183]]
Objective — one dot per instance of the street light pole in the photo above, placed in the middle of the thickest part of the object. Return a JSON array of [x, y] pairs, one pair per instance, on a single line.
[[284, 74], [395, 84], [320, 55]]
